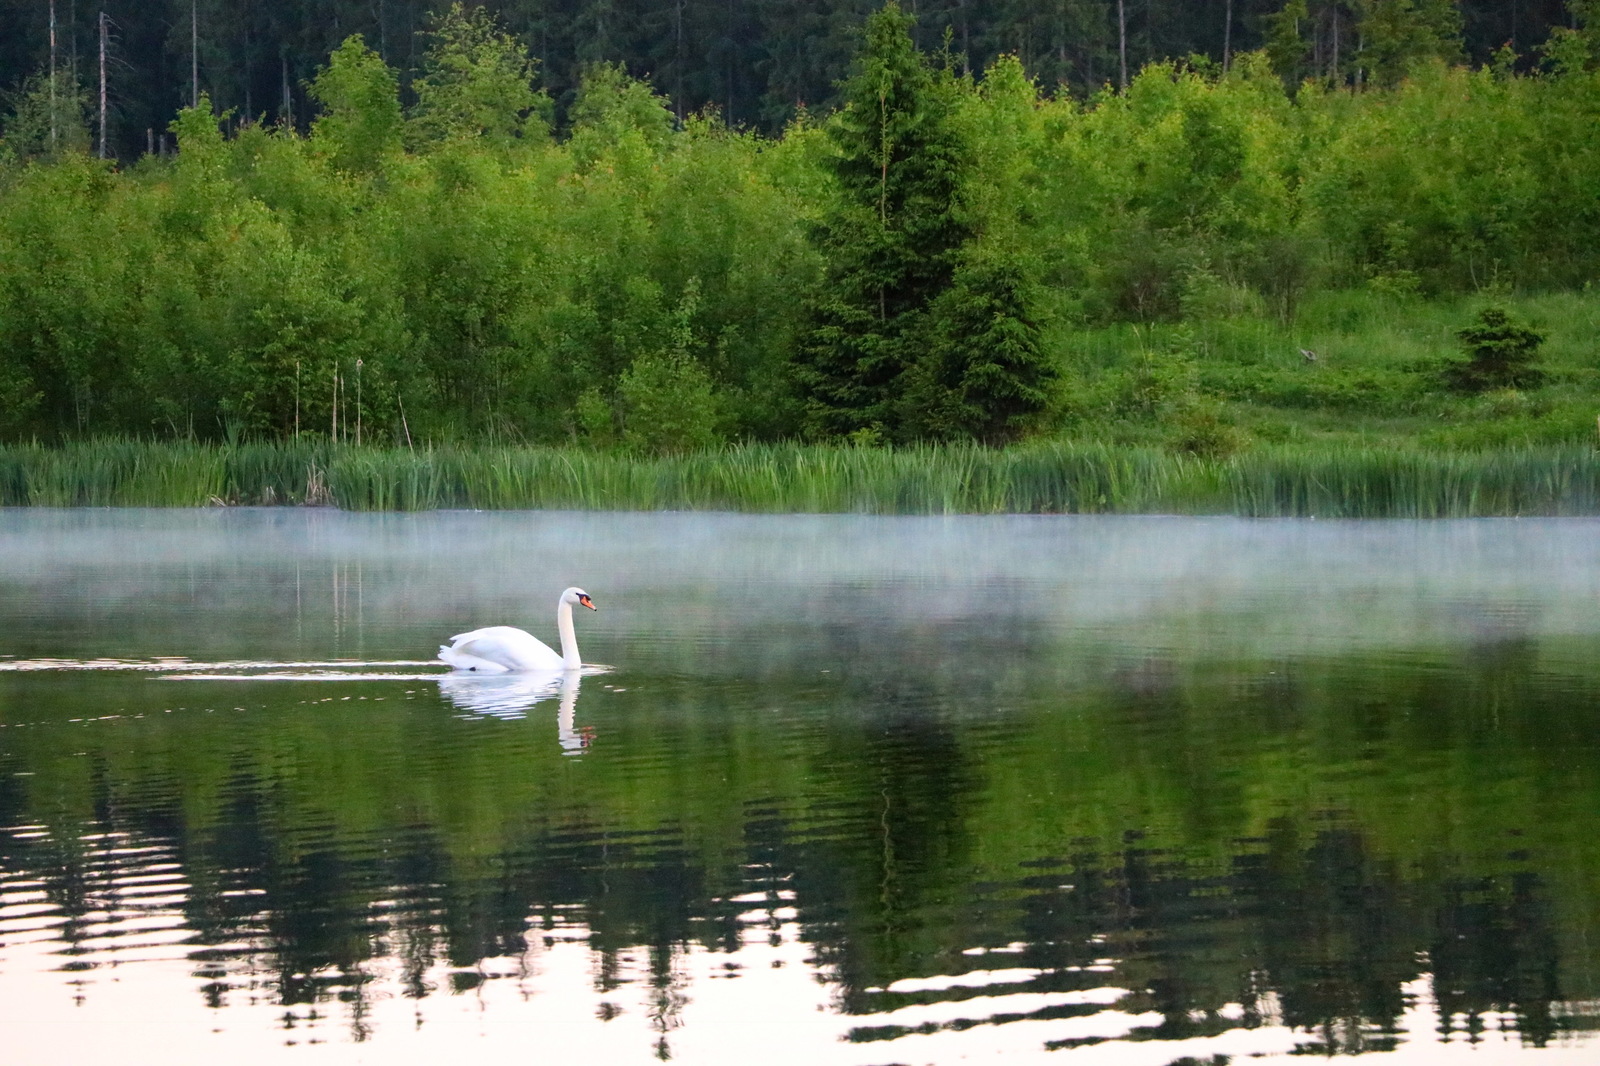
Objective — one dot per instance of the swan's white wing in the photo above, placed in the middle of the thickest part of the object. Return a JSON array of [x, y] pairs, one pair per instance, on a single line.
[[493, 633], [503, 646], [466, 661]]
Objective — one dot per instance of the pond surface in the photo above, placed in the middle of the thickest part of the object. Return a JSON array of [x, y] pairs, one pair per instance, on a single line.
[[835, 790]]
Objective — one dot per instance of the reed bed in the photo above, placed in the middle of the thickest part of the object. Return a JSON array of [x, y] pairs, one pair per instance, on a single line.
[[1322, 481]]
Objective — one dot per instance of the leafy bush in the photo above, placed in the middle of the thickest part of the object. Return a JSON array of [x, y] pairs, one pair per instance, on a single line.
[[1204, 430], [669, 406]]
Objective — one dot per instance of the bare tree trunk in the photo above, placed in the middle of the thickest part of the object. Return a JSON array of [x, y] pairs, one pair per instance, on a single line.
[[194, 53], [102, 85], [248, 63], [729, 112], [1333, 67], [52, 75], [677, 59], [1316, 44], [1227, 35], [1122, 46]]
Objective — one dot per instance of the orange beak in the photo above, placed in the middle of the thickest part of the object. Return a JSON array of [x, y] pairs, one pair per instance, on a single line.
[[587, 603]]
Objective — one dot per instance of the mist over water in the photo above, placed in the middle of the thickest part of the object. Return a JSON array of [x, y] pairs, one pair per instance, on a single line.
[[316, 581], [835, 789]]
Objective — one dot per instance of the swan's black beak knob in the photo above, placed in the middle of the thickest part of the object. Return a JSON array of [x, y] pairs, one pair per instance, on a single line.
[[587, 603]]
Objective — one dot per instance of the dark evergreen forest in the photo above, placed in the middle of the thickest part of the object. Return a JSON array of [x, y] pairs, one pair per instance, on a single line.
[[756, 61]]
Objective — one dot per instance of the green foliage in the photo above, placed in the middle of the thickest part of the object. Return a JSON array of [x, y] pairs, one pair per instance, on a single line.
[[1381, 41], [984, 375], [1398, 36], [670, 406], [49, 118], [891, 240], [1285, 44], [476, 82], [916, 266], [1499, 353], [1568, 52], [202, 150], [360, 124], [614, 113], [1194, 471], [668, 402], [1153, 383], [760, 64], [67, 337], [1204, 430]]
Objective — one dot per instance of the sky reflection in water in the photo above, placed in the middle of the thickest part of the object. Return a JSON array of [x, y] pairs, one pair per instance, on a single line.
[[852, 790]]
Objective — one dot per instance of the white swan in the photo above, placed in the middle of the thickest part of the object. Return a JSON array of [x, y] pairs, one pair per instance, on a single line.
[[504, 650]]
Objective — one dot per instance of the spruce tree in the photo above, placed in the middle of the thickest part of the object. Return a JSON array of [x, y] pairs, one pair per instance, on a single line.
[[984, 373], [1500, 354], [891, 243], [1400, 35]]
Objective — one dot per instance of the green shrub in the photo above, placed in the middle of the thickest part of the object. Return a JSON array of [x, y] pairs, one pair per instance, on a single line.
[[1205, 431], [669, 405], [1499, 354]]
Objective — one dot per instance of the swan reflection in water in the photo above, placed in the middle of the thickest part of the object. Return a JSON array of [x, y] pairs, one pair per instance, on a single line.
[[513, 696]]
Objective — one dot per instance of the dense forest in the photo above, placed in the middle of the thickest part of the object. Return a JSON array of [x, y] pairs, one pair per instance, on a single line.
[[466, 226], [756, 61]]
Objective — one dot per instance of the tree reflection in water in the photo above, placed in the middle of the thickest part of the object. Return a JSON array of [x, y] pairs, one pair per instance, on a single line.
[[879, 824]]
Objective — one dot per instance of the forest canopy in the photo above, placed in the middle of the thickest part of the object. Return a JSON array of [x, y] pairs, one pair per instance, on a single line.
[[469, 246], [756, 61]]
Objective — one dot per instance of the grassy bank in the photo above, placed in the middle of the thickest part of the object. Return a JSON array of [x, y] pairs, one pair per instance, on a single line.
[[1334, 481]]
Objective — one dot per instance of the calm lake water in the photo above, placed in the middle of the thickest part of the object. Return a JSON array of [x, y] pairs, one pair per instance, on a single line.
[[835, 790]]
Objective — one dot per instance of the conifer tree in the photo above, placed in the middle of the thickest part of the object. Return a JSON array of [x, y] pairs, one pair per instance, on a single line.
[[984, 373], [891, 243], [1398, 35], [1377, 41], [1500, 354]]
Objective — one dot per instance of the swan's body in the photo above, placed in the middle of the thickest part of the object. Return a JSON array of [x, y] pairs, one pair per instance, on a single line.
[[504, 650]]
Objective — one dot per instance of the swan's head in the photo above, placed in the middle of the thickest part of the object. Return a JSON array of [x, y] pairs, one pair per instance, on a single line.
[[577, 595]]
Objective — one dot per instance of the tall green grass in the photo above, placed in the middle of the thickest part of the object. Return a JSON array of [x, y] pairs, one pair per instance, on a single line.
[[1335, 481]]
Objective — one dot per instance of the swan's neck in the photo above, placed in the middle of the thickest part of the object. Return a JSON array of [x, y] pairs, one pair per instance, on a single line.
[[569, 637]]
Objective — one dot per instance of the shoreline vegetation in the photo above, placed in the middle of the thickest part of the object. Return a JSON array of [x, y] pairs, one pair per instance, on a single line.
[[1337, 481], [1272, 285], [1214, 258]]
